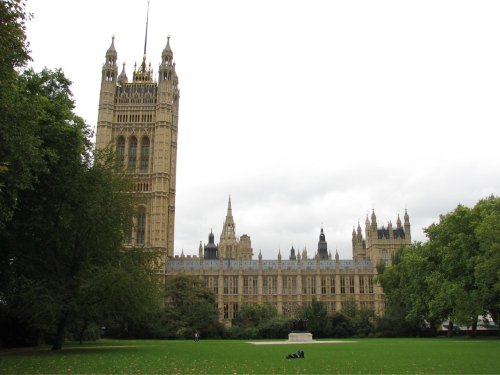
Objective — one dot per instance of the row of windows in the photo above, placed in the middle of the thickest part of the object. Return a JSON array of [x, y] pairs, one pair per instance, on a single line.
[[142, 187], [270, 285], [135, 118], [132, 153], [230, 310], [110, 76], [135, 99]]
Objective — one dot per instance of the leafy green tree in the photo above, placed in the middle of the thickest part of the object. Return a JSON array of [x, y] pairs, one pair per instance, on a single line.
[[487, 263], [19, 146], [62, 246], [317, 318], [190, 307], [464, 247], [252, 315], [349, 308], [277, 327], [407, 288], [341, 326], [260, 321], [454, 275]]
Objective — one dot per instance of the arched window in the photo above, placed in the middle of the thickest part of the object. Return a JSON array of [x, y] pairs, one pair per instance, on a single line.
[[385, 257], [144, 154], [132, 152], [141, 226], [120, 150]]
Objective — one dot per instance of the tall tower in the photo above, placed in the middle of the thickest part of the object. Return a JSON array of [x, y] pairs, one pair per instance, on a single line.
[[381, 243], [322, 246], [228, 245], [139, 120]]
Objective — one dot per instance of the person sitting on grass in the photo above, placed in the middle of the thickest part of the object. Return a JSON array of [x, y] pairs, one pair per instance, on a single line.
[[297, 354]]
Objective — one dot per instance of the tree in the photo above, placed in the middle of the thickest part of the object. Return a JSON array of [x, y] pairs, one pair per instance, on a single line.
[[252, 315], [317, 318], [406, 286], [454, 275], [19, 147], [62, 247], [190, 307]]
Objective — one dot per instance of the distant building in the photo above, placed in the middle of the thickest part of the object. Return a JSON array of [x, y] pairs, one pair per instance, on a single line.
[[139, 119], [230, 271]]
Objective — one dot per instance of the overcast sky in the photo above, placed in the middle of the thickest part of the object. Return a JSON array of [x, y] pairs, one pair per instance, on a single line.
[[308, 113]]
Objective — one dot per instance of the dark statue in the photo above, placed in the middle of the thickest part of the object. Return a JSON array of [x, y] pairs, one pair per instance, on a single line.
[[299, 325]]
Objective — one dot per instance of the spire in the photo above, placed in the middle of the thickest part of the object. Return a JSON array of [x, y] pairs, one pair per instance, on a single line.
[[292, 254], [322, 246], [110, 69], [260, 255], [167, 51], [111, 52], [167, 56], [146, 36], [374, 219], [144, 72], [398, 223], [407, 227], [336, 255], [228, 229], [407, 217], [122, 78]]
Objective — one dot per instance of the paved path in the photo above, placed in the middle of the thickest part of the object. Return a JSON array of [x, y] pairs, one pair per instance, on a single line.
[[300, 342]]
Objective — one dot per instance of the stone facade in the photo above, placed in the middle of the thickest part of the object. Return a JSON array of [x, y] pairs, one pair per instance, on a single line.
[[139, 120], [230, 271]]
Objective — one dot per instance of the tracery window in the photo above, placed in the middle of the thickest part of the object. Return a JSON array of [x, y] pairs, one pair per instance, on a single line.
[[120, 150], [385, 257], [144, 154], [141, 226], [132, 152]]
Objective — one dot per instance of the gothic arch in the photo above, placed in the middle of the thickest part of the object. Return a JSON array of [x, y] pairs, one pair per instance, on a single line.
[[120, 149], [145, 151], [141, 226], [132, 152]]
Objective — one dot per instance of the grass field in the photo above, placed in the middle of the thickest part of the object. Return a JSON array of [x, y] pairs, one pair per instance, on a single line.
[[366, 356]]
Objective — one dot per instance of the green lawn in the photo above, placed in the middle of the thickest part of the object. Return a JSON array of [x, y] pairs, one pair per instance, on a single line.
[[367, 356]]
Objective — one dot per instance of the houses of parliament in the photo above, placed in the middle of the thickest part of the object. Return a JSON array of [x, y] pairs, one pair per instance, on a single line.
[[139, 119]]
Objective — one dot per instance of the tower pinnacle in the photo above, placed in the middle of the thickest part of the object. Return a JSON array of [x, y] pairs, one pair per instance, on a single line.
[[146, 36]]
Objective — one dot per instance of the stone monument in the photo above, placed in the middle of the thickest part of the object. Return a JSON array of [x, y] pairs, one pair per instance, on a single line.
[[300, 332]]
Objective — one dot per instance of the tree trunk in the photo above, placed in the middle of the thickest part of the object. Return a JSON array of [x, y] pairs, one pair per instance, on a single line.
[[474, 328], [59, 339], [82, 331], [450, 328]]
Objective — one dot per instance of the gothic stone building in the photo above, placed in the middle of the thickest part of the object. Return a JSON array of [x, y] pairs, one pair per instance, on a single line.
[[230, 271], [139, 120]]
